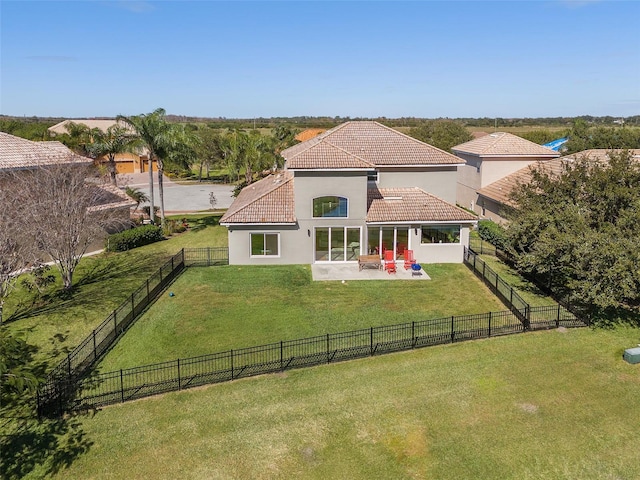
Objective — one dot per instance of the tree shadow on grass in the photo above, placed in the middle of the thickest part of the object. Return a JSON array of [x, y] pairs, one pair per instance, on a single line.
[[108, 268], [43, 447]]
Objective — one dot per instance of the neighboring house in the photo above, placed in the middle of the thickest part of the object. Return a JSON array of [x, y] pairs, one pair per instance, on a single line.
[[125, 162], [18, 154], [309, 133], [359, 188], [490, 158], [496, 197]]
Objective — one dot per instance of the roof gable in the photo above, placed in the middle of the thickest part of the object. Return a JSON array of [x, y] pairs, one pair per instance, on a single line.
[[366, 141], [502, 144], [269, 200]]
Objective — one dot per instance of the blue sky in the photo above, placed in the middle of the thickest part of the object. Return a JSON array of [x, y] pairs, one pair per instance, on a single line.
[[261, 59]]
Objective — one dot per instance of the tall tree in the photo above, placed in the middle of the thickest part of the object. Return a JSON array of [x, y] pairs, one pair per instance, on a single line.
[[210, 151], [442, 134], [159, 137], [61, 208], [116, 140], [16, 245], [580, 232]]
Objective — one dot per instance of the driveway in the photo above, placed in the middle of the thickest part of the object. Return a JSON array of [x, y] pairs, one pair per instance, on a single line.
[[179, 198]]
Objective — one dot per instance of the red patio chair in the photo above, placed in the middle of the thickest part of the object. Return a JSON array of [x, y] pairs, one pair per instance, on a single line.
[[389, 262], [408, 259]]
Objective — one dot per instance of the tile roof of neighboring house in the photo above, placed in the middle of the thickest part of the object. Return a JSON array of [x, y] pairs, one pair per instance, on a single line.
[[109, 196], [411, 205], [365, 141], [269, 200], [501, 144], [500, 190], [18, 153], [89, 122], [479, 134], [309, 133]]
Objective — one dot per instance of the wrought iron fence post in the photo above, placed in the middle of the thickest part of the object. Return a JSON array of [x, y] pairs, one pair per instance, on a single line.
[[231, 364], [413, 334], [179, 383], [281, 357], [558, 317], [371, 340], [208, 256], [453, 333], [484, 264], [121, 387], [489, 323], [328, 358], [511, 296]]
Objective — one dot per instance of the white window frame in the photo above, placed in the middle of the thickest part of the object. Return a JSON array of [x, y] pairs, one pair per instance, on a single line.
[[443, 225], [251, 255], [325, 196]]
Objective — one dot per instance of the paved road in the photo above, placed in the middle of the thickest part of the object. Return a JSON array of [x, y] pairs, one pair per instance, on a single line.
[[180, 198]]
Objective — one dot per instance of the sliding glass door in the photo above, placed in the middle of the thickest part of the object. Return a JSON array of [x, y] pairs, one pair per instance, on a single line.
[[381, 239], [337, 244]]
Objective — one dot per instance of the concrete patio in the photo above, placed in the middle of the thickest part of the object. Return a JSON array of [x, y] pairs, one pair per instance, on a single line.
[[349, 271]]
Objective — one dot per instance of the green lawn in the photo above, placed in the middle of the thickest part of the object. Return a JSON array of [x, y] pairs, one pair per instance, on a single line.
[[529, 292], [220, 308], [102, 282], [544, 405]]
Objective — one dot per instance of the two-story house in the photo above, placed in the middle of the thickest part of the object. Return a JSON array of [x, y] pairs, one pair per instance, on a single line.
[[488, 159], [359, 188]]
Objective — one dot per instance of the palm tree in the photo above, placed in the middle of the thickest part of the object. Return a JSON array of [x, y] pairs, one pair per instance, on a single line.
[[78, 137], [117, 139], [159, 137]]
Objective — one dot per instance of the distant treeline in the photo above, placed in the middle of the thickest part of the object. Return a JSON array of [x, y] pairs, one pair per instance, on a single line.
[[35, 128]]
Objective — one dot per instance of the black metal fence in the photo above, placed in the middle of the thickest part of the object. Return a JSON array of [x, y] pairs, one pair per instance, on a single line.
[[80, 360], [499, 287], [124, 385]]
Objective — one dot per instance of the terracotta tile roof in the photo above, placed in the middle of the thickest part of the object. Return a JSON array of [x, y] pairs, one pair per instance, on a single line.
[[309, 133], [326, 156], [501, 144], [18, 153], [411, 205], [269, 200], [366, 141], [109, 196], [500, 190]]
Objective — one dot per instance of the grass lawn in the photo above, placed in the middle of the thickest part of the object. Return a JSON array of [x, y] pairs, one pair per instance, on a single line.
[[102, 282], [220, 308], [529, 292], [555, 404]]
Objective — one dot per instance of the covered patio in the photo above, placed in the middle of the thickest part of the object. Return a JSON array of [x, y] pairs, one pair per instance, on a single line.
[[351, 271]]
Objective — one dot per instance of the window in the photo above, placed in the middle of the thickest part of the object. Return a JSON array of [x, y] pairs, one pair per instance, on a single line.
[[265, 244], [440, 234], [330, 207], [372, 176]]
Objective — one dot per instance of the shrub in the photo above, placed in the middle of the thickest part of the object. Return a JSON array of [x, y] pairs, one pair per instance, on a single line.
[[136, 237], [174, 226], [492, 233]]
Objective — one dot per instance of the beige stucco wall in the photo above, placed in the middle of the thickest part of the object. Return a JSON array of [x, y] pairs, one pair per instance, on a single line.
[[438, 181]]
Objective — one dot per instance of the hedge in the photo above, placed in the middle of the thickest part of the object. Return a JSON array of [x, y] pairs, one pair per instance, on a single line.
[[492, 233], [136, 237]]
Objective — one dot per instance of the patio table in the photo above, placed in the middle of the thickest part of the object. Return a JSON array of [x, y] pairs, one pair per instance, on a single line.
[[369, 261]]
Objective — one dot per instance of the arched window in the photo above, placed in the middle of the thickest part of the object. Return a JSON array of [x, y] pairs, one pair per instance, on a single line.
[[330, 207]]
